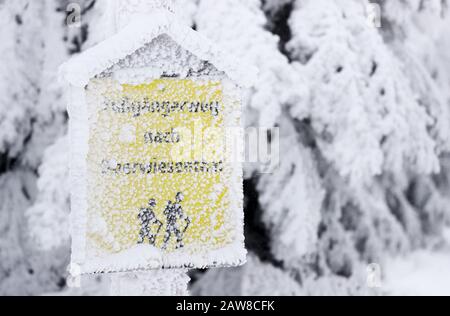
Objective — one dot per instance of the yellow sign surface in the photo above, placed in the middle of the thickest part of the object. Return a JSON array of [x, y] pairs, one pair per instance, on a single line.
[[158, 168]]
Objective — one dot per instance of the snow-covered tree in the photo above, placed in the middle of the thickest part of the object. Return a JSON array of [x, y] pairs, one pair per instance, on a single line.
[[359, 145], [35, 41]]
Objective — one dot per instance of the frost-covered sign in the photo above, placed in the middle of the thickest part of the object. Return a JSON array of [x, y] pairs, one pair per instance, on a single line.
[[156, 180]]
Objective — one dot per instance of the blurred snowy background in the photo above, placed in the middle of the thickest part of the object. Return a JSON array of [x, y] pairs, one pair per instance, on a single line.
[[364, 114]]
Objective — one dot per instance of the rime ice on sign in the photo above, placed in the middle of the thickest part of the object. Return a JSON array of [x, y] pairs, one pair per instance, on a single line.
[[154, 182]]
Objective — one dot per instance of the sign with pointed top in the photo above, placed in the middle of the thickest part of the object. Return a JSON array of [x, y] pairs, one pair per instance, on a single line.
[[155, 170]]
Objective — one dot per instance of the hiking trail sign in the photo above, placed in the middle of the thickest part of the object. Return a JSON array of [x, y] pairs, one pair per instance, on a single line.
[[155, 175]]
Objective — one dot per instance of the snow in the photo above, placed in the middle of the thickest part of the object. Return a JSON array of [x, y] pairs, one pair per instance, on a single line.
[[244, 33], [93, 260], [362, 105], [49, 226], [293, 206], [160, 50], [138, 75], [254, 279], [141, 31], [150, 283], [135, 258], [422, 273], [128, 134]]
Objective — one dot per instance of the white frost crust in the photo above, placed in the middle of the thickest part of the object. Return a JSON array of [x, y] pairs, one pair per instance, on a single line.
[[141, 258], [141, 31], [137, 75], [150, 283], [146, 257], [79, 140]]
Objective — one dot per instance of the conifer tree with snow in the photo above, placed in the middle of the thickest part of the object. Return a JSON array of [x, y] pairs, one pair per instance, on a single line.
[[363, 114]]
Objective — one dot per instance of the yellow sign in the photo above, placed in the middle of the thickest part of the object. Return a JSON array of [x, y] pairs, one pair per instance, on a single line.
[[162, 188]]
